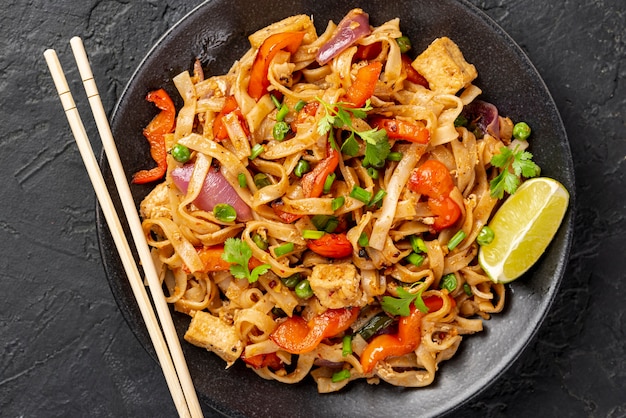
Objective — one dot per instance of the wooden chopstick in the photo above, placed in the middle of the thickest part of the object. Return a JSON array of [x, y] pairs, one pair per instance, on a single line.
[[172, 361]]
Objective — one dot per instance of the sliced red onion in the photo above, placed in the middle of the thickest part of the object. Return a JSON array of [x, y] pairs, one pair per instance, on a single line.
[[215, 189], [484, 115], [354, 26]]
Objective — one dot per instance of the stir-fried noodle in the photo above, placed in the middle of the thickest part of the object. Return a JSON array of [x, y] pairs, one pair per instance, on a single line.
[[324, 220]]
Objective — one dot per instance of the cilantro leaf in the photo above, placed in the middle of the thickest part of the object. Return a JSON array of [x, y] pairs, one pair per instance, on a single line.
[[350, 146], [239, 254], [402, 304], [521, 164], [377, 147]]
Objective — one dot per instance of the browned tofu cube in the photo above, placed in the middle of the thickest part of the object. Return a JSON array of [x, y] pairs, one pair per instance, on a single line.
[[444, 66]]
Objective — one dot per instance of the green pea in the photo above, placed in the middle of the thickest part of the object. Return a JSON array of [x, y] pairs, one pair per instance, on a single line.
[[292, 281], [303, 289], [302, 167], [485, 236], [224, 212], [181, 153], [521, 131]]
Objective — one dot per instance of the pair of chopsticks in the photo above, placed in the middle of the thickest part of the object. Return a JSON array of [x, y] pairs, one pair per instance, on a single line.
[[168, 349]]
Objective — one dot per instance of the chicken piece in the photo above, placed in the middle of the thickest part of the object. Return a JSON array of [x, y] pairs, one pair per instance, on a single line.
[[444, 66], [155, 205], [336, 285], [210, 332]]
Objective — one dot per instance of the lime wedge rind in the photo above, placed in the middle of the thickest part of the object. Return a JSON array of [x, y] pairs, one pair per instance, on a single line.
[[524, 226]]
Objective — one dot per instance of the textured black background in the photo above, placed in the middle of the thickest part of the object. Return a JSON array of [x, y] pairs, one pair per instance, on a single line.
[[66, 348]]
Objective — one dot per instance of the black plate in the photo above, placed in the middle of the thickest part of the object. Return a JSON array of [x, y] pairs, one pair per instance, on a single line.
[[216, 32]]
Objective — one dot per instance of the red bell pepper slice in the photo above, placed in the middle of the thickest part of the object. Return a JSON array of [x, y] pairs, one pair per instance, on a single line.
[[431, 179], [413, 131], [259, 361], [313, 182], [387, 345], [286, 217], [285, 41], [331, 246], [411, 73], [219, 129], [368, 52], [296, 336], [212, 260], [434, 302], [446, 212], [434, 180], [163, 123], [364, 84]]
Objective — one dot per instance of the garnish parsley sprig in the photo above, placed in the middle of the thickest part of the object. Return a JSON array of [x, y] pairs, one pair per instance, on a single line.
[[520, 162], [339, 116], [239, 253]]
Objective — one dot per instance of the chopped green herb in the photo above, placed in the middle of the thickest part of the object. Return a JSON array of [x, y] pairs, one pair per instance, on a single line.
[[283, 249], [312, 234], [261, 180], [350, 146], [373, 173], [282, 112], [456, 240], [346, 345], [467, 289], [257, 150], [377, 199], [275, 101], [338, 115], [328, 183], [340, 375], [363, 240], [415, 259], [378, 322], [360, 194], [394, 156], [448, 282], [259, 241], [300, 105], [280, 130], [337, 202], [418, 244], [401, 304], [460, 121], [239, 253], [243, 182], [507, 181]]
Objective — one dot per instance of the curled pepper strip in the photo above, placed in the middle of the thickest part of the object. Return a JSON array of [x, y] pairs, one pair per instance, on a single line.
[[285, 41], [408, 130], [433, 180], [296, 336], [363, 86], [161, 124], [387, 345]]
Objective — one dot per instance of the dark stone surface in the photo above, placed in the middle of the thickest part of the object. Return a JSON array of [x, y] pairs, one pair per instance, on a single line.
[[67, 349]]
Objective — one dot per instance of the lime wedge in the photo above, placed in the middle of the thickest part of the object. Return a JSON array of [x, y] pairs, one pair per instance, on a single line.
[[523, 227]]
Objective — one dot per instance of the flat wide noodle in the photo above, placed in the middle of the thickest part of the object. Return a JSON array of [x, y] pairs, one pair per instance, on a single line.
[[332, 191]]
